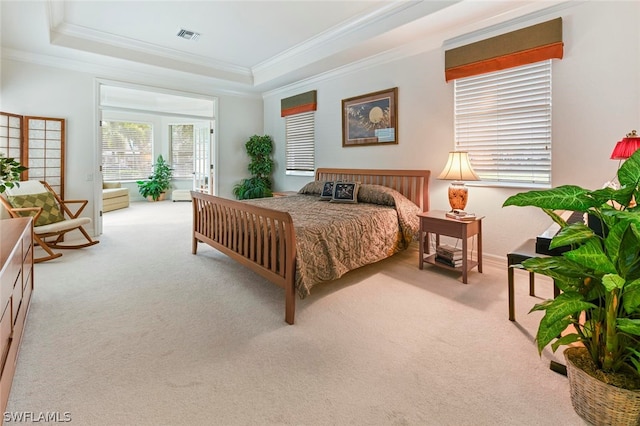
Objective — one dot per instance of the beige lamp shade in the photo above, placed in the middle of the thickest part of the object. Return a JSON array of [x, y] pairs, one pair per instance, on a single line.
[[458, 169]]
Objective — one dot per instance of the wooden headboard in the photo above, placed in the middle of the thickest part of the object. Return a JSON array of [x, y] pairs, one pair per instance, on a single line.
[[413, 184]]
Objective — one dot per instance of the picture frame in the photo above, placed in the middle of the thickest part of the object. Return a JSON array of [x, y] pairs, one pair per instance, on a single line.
[[370, 119]]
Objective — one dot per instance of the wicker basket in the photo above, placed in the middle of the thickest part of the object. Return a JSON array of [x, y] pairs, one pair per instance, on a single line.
[[600, 403]]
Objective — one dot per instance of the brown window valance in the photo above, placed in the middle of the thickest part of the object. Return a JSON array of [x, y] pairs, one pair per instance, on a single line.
[[525, 46], [304, 102]]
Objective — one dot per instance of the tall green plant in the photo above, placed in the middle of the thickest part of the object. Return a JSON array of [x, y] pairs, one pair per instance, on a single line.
[[259, 149], [158, 182], [600, 276]]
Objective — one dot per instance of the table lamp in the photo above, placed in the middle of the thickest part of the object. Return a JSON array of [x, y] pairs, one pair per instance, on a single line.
[[458, 169], [626, 146]]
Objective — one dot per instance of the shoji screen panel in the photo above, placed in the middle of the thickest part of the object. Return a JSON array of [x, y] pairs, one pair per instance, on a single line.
[[11, 136], [44, 149]]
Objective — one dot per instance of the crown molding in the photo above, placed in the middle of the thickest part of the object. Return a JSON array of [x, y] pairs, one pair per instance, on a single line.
[[61, 33], [337, 32], [435, 29], [134, 73], [348, 36], [73, 36]]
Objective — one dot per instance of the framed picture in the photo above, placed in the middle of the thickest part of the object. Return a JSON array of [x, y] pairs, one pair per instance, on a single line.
[[370, 119]]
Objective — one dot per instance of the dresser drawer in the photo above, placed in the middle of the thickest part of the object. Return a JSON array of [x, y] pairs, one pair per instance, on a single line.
[[27, 269], [26, 244], [5, 336], [16, 299], [9, 278]]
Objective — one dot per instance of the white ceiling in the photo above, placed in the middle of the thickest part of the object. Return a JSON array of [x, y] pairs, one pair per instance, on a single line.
[[251, 46]]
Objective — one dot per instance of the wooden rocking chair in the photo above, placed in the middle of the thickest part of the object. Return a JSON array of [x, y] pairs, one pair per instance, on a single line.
[[51, 217]]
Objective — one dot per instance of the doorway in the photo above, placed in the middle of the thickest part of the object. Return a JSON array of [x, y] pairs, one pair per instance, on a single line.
[[158, 111]]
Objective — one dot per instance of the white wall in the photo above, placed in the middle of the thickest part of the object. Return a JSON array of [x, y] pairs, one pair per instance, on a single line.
[[596, 101], [38, 90]]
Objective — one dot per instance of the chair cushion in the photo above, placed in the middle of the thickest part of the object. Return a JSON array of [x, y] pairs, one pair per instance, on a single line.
[[51, 212], [111, 185], [63, 225], [27, 187], [114, 192]]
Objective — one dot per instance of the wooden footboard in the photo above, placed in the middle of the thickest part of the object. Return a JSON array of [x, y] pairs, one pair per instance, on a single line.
[[259, 238]]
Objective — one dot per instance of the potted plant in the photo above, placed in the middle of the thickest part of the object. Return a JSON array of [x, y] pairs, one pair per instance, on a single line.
[[259, 149], [10, 170], [159, 182], [598, 311]]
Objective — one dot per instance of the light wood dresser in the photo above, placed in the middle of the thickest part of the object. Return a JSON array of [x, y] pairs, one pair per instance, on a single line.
[[16, 286]]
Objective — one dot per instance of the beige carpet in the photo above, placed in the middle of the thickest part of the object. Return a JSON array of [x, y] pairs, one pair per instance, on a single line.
[[138, 331]]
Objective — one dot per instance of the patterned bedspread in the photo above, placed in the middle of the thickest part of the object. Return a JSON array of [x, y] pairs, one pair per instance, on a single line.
[[334, 238]]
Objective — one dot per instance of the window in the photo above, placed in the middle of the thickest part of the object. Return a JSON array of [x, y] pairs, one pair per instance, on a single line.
[[126, 150], [300, 134], [503, 119], [181, 141]]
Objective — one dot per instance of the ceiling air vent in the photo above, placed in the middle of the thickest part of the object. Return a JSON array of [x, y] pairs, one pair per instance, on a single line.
[[189, 35]]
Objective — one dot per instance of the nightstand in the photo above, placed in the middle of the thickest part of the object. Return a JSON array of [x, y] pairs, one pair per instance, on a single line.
[[436, 222]]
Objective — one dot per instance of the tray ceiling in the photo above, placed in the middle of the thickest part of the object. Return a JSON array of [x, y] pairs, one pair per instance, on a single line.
[[253, 45]]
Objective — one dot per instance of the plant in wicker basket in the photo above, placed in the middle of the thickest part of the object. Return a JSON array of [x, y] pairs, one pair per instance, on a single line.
[[599, 307]]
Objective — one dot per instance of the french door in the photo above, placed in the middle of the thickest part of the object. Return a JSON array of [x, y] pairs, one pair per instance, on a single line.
[[203, 159]]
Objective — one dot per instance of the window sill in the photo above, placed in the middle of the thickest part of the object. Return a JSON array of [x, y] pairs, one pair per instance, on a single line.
[[299, 173]]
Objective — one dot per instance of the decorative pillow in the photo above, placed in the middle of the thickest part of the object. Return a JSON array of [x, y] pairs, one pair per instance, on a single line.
[[327, 190], [312, 188], [345, 192], [51, 212]]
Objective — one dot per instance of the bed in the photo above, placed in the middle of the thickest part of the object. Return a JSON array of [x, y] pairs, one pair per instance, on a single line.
[[300, 240]]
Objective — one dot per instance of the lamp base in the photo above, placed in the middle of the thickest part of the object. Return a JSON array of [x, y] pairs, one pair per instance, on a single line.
[[458, 196]]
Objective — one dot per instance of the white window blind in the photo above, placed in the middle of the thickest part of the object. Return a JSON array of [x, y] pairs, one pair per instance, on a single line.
[[503, 119], [182, 150], [300, 134], [126, 150]]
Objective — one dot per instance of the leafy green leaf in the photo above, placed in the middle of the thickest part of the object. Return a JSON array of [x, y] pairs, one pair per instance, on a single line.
[[592, 256], [631, 296], [564, 305], [572, 234], [567, 197], [549, 331], [629, 171], [628, 325], [613, 282], [565, 340]]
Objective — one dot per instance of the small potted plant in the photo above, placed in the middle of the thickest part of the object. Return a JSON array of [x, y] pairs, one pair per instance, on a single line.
[[154, 189], [10, 170], [259, 149], [598, 312]]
